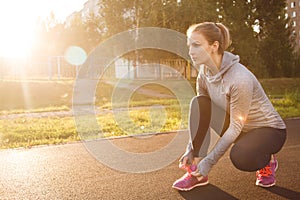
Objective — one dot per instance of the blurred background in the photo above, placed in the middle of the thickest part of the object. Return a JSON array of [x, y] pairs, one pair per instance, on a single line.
[[43, 44], [38, 37]]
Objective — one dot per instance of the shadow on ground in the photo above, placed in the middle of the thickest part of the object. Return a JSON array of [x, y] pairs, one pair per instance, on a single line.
[[207, 192], [286, 193]]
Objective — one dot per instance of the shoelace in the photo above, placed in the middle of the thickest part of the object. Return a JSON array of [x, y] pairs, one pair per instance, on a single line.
[[189, 169], [266, 171], [188, 176]]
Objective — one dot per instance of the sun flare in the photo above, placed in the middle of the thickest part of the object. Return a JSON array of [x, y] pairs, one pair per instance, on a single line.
[[16, 42], [17, 29], [18, 19]]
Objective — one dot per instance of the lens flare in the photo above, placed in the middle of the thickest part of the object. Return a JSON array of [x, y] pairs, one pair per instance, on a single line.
[[84, 102], [75, 55]]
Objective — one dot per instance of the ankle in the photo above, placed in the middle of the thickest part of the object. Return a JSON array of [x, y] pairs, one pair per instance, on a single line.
[[196, 160], [272, 158]]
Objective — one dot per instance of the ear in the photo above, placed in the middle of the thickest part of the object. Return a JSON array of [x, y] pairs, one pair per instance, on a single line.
[[215, 46]]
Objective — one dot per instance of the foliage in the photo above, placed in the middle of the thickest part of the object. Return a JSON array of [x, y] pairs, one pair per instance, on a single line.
[[240, 18], [275, 38], [258, 48]]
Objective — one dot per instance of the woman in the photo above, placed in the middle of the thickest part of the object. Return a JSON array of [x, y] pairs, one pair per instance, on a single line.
[[250, 122]]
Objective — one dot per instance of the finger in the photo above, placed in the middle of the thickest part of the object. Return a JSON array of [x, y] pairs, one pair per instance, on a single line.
[[185, 160], [181, 166], [183, 163], [196, 173]]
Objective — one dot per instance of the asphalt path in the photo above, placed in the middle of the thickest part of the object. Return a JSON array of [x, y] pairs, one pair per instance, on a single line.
[[71, 171]]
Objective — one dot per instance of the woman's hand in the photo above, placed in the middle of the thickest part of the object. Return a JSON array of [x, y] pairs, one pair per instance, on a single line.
[[191, 164], [184, 163], [186, 160]]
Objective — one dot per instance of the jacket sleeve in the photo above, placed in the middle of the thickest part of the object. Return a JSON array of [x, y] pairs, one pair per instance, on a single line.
[[240, 95], [188, 152]]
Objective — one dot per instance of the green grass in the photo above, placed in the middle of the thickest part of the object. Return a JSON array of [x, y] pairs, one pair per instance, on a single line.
[[144, 114], [27, 132], [288, 106], [145, 120]]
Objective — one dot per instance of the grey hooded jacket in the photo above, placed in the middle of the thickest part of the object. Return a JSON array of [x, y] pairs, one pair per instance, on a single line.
[[235, 89]]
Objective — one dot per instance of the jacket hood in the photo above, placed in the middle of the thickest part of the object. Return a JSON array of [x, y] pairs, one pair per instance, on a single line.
[[228, 61]]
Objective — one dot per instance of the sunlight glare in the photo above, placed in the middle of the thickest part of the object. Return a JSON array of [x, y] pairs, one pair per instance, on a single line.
[[18, 19], [17, 29]]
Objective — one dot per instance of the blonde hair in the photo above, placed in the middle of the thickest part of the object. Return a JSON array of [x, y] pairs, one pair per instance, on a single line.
[[212, 32]]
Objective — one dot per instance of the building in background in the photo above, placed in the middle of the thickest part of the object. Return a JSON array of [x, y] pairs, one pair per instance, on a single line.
[[293, 11], [89, 7]]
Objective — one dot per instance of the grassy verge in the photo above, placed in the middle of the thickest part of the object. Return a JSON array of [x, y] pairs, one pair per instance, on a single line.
[[288, 106], [27, 132], [144, 114]]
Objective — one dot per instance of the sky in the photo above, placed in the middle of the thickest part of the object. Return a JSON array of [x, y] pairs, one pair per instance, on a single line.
[[21, 16]]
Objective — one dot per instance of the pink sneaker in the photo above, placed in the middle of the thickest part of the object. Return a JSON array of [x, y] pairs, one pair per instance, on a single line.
[[265, 177], [188, 181]]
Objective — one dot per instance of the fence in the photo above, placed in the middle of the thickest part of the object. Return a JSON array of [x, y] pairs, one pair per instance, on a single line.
[[36, 68], [56, 67]]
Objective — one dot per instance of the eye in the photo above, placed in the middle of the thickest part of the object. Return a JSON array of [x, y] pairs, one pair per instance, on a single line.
[[196, 45]]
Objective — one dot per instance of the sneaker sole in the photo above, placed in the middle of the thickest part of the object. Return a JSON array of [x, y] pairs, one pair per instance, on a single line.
[[265, 186], [188, 189]]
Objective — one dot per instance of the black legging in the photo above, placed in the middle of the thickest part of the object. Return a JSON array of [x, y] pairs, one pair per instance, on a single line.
[[251, 151]]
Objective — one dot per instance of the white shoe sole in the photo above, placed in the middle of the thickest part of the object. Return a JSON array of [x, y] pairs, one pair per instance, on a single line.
[[188, 189]]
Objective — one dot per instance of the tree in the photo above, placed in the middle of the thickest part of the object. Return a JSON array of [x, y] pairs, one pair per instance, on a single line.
[[48, 34], [95, 30], [259, 30], [122, 15], [85, 33], [276, 47], [240, 18]]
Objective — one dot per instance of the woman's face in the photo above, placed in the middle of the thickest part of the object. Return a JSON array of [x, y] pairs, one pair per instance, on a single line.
[[199, 49]]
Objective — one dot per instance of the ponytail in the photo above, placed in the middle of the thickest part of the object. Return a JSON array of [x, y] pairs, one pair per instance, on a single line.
[[213, 32], [226, 41]]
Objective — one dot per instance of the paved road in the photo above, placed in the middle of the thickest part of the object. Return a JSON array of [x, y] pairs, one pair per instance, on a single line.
[[70, 172]]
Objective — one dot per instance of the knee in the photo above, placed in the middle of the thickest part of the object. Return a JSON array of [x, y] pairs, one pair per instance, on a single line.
[[247, 159], [241, 159]]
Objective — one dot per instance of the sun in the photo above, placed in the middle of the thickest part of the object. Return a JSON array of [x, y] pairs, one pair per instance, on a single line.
[[16, 21], [16, 41]]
